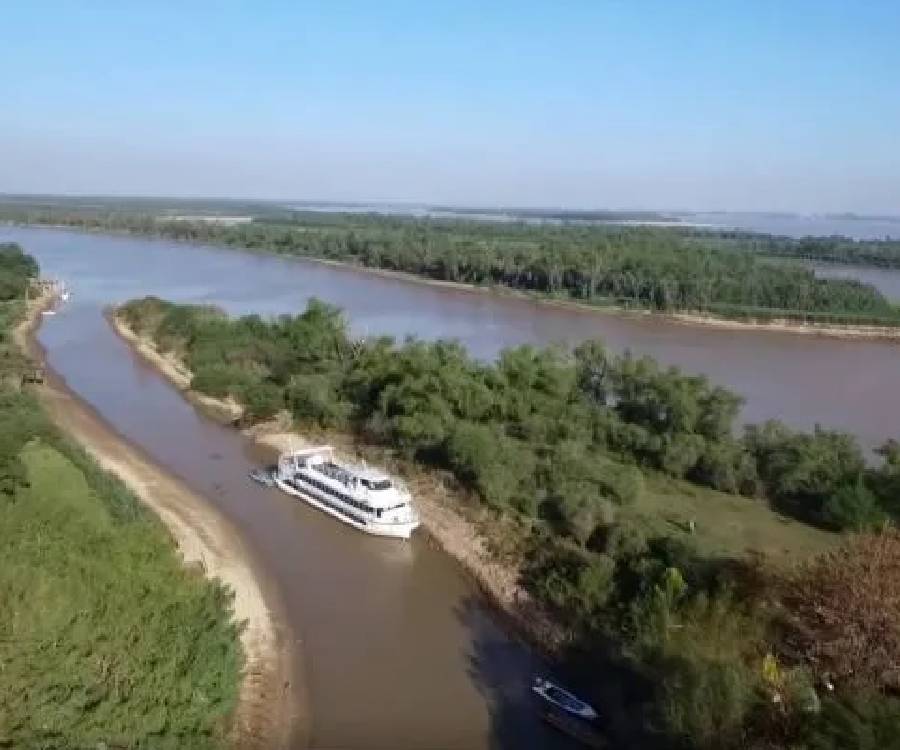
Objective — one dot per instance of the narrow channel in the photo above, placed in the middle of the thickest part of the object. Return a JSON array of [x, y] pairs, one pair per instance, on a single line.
[[397, 650], [394, 646]]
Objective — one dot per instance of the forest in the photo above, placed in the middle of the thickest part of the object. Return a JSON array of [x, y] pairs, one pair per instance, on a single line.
[[91, 657], [733, 652], [876, 253], [657, 269]]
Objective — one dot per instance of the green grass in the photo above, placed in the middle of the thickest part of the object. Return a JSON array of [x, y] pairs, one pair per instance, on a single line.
[[726, 526], [104, 636]]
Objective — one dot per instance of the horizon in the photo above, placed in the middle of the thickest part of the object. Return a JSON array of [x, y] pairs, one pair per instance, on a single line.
[[766, 109], [364, 203]]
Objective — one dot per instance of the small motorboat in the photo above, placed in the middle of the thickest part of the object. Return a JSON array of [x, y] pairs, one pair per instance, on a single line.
[[263, 476], [563, 699], [48, 312]]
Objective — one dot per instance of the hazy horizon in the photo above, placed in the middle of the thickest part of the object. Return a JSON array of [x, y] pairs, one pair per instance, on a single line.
[[696, 107]]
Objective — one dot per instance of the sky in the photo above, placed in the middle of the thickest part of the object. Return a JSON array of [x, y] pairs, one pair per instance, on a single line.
[[784, 106]]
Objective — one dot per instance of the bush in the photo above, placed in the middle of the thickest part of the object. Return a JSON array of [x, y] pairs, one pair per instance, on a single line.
[[842, 611], [853, 508], [261, 401], [576, 583], [493, 464], [864, 721], [313, 398], [707, 701]]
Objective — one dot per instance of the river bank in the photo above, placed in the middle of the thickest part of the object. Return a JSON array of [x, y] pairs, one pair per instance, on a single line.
[[782, 324], [266, 714], [452, 523], [775, 325]]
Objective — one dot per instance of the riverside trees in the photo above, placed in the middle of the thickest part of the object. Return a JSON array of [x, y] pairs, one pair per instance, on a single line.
[[565, 443], [543, 418], [637, 267]]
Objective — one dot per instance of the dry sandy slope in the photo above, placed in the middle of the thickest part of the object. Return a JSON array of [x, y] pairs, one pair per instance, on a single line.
[[266, 715]]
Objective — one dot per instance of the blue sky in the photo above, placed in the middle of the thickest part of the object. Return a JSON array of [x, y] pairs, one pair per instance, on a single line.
[[721, 105]]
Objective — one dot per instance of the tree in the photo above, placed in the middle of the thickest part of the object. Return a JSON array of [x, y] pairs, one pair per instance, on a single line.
[[843, 611], [853, 508]]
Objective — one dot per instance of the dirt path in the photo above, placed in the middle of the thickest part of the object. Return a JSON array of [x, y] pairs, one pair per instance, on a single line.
[[266, 717]]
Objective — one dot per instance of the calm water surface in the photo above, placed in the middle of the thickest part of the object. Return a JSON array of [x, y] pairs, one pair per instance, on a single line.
[[803, 380], [397, 650], [885, 280]]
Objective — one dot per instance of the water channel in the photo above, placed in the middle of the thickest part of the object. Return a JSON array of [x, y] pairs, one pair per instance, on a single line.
[[397, 649]]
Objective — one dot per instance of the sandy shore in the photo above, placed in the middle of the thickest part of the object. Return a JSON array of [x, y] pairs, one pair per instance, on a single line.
[[787, 325], [266, 715], [441, 510], [776, 325]]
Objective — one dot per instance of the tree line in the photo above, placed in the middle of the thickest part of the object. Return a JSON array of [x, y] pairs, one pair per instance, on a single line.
[[658, 269], [564, 443]]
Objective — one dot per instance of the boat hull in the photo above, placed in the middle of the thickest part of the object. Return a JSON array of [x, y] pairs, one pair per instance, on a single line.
[[394, 530]]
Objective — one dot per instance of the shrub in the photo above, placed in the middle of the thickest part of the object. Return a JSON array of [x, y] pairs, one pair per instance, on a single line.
[[843, 611], [261, 401], [853, 508]]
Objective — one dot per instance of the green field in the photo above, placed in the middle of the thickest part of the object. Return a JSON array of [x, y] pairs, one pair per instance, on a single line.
[[104, 637], [725, 525], [106, 640]]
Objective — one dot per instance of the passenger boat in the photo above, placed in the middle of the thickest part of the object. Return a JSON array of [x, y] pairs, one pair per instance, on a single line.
[[563, 699], [362, 497]]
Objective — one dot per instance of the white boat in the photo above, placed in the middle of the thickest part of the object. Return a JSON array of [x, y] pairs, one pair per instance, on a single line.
[[563, 699], [360, 496]]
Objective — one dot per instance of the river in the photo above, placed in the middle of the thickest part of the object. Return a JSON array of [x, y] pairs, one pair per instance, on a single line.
[[802, 380], [885, 280], [395, 647]]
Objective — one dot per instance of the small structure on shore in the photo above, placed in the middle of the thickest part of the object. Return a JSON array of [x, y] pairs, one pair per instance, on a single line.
[[33, 374]]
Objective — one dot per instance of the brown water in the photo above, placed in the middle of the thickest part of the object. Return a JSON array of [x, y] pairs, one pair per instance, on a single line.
[[397, 650], [803, 380]]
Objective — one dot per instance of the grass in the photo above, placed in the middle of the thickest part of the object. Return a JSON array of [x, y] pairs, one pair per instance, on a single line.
[[105, 640], [726, 525]]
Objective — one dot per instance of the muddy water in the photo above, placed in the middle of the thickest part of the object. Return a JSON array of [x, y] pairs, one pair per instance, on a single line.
[[397, 651], [885, 280], [394, 647], [803, 380]]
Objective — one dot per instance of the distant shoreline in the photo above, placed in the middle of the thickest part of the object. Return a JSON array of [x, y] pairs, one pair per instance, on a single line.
[[783, 324]]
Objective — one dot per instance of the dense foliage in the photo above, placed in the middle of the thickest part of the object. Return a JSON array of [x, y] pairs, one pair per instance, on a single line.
[[105, 640], [635, 267], [566, 443], [879, 253], [845, 611]]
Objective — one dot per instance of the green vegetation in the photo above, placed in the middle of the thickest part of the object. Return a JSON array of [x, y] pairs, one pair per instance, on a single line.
[[645, 268], [609, 469], [878, 253], [105, 639]]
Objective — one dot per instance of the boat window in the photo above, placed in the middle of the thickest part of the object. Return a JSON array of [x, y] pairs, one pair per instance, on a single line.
[[377, 484]]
